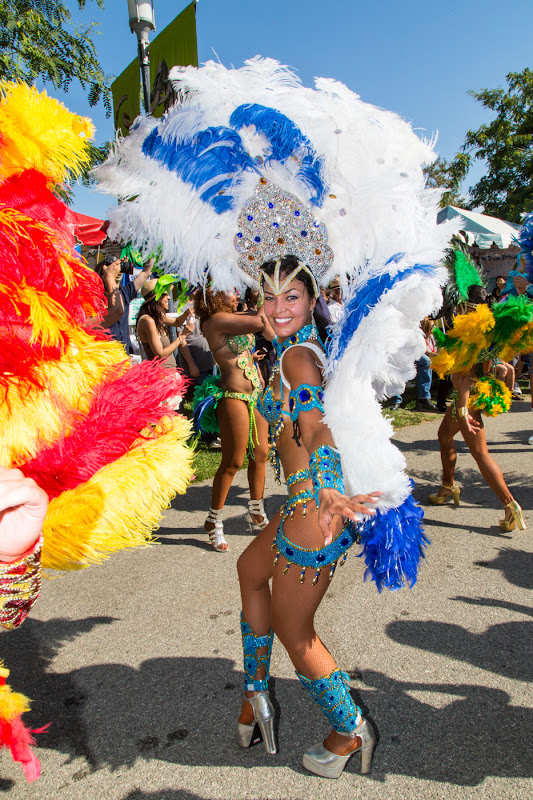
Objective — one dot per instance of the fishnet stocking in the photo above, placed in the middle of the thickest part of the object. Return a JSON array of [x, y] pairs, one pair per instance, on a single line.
[[290, 608]]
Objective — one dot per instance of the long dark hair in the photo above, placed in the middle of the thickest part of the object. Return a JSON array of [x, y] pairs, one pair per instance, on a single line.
[[207, 303], [288, 264], [152, 309]]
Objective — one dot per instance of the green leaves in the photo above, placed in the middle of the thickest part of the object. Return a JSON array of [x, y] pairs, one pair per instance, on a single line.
[[448, 175], [505, 144], [39, 40]]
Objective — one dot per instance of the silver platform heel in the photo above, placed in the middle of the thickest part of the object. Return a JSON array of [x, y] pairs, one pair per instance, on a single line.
[[256, 507], [323, 762], [264, 719]]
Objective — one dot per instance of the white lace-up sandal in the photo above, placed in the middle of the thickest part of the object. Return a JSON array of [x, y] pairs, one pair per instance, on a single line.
[[256, 508], [216, 536]]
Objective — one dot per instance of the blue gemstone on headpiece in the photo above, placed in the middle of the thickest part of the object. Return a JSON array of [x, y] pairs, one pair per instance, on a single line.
[[316, 224], [250, 218], [257, 239], [304, 233], [271, 205], [296, 213], [239, 236], [275, 225]]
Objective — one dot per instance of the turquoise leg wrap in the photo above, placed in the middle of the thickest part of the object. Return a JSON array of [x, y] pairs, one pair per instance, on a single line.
[[252, 661], [332, 694]]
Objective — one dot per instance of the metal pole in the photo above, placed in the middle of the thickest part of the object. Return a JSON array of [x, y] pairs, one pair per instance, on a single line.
[[141, 13], [144, 61]]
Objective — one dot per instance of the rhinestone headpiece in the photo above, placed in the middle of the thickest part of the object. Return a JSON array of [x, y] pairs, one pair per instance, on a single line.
[[274, 223]]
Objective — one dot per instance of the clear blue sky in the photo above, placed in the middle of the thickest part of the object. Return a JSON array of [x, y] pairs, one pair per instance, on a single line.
[[417, 57]]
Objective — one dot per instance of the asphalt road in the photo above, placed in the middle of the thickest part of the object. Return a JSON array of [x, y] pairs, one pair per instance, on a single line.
[[136, 662]]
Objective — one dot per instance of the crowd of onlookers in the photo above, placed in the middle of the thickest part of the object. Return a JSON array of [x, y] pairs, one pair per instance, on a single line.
[[183, 343]]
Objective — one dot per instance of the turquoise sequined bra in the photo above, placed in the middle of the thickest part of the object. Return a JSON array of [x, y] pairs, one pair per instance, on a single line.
[[272, 409]]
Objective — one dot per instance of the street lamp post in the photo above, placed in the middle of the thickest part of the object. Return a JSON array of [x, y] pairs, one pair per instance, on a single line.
[[142, 22]]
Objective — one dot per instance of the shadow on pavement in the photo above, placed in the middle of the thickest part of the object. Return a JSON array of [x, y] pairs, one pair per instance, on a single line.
[[162, 794], [27, 652], [515, 565], [505, 648], [489, 602], [171, 794], [183, 710], [450, 733]]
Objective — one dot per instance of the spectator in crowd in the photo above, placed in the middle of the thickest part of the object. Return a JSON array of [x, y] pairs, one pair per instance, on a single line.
[[335, 300], [152, 327], [108, 272], [424, 372], [194, 355], [496, 294], [128, 291]]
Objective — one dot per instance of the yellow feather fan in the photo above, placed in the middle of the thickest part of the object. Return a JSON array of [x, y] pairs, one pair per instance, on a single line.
[[108, 512], [38, 132]]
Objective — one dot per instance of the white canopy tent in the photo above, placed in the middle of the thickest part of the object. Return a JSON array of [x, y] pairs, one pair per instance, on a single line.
[[492, 241], [482, 230]]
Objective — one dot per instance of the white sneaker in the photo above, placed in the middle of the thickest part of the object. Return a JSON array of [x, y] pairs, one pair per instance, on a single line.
[[517, 389]]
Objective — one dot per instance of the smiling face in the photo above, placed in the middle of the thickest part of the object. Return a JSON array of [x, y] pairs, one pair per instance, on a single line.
[[289, 311]]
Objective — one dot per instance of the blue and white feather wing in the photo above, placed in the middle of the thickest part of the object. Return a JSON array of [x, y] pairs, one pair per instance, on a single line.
[[372, 354]]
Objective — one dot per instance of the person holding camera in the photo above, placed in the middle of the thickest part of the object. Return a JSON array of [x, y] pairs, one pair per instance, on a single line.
[[119, 330]]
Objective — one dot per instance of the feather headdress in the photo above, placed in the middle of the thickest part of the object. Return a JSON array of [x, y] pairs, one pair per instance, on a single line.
[[356, 168]]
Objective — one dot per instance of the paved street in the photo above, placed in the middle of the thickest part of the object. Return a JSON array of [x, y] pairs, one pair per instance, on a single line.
[[137, 662]]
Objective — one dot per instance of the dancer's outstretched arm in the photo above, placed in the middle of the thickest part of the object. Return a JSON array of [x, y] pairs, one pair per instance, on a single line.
[[301, 369]]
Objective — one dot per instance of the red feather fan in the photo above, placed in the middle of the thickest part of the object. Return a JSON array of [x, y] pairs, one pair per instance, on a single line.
[[109, 429]]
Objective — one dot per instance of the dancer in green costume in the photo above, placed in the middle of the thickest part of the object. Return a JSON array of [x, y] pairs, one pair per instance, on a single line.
[[227, 404]]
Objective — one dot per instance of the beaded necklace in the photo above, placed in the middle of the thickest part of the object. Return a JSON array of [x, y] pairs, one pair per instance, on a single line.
[[277, 425]]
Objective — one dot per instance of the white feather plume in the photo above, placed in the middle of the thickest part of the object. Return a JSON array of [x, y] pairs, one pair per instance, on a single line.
[[375, 205]]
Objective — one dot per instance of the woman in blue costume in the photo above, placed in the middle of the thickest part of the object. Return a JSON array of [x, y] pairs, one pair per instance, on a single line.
[[253, 168], [303, 447]]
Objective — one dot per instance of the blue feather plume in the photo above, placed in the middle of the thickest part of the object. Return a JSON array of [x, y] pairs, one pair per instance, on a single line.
[[393, 544], [363, 301], [200, 409], [525, 240], [286, 140], [216, 152]]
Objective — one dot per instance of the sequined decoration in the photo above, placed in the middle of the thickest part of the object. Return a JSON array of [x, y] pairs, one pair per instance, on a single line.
[[274, 223], [20, 584]]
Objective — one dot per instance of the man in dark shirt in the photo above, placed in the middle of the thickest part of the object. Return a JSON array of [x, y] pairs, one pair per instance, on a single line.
[[120, 330]]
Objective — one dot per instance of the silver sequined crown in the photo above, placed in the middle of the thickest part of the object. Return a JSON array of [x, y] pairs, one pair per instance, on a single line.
[[274, 223]]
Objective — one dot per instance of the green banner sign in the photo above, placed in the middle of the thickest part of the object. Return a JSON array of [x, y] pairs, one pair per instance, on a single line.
[[175, 46]]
